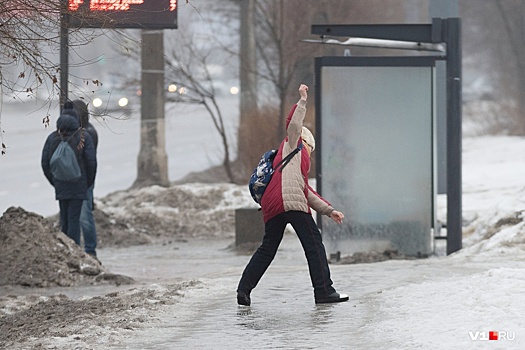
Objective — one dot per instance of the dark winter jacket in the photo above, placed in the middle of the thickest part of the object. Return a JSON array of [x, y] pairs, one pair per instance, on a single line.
[[81, 109], [289, 190], [67, 126], [94, 135]]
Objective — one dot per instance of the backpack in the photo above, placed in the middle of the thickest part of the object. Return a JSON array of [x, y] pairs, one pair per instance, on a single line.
[[64, 163], [262, 174]]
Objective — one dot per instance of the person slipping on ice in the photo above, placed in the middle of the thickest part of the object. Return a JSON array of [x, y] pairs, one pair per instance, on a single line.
[[287, 200]]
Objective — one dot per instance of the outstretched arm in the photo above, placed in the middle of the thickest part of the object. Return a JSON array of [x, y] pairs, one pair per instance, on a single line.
[[294, 123], [321, 205], [303, 92], [337, 216]]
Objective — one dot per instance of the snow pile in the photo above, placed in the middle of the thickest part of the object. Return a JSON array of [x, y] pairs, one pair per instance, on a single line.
[[493, 194], [179, 211], [101, 320], [33, 253]]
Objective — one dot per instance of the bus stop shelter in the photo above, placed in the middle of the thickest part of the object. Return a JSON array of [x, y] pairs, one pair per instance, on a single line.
[[377, 139]]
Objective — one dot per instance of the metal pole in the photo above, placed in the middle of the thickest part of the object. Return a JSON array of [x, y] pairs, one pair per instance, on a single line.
[[454, 149], [318, 131], [64, 53], [442, 9]]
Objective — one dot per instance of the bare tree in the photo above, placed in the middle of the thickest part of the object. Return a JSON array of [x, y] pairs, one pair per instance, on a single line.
[[28, 28], [22, 24], [29, 42], [248, 60], [248, 75], [188, 58], [513, 75], [494, 51], [283, 61], [188, 63], [280, 50]]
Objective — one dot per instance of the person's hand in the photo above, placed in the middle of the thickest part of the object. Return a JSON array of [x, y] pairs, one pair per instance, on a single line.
[[303, 91], [337, 216]]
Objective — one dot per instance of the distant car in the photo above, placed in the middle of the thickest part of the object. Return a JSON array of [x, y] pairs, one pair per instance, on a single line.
[[114, 102]]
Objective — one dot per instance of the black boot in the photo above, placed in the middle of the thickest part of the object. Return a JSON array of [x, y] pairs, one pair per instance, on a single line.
[[243, 299], [332, 298]]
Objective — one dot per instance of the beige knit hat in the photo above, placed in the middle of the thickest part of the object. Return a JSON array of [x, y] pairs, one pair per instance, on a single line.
[[307, 137]]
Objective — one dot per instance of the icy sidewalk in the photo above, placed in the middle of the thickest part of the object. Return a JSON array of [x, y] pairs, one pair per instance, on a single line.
[[436, 303]]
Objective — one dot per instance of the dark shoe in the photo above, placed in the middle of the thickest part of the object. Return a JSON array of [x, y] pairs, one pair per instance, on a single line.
[[332, 298], [243, 299], [94, 256]]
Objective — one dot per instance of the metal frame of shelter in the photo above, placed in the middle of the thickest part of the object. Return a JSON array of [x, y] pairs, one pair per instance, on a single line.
[[446, 31]]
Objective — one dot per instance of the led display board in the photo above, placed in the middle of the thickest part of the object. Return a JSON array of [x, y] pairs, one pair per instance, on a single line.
[[141, 14]]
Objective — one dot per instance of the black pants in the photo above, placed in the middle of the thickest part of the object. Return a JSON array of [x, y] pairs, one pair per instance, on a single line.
[[70, 218], [311, 240]]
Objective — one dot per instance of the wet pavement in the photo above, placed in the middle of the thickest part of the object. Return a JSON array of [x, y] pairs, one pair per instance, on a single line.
[[283, 314]]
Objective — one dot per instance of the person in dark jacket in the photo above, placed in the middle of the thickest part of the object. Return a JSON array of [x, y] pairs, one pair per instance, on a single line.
[[287, 200], [70, 195], [87, 221]]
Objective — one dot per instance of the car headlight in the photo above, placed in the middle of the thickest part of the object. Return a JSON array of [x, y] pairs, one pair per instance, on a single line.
[[97, 102], [123, 102]]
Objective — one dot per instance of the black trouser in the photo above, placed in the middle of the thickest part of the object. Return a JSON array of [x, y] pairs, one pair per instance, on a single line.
[[311, 240], [70, 218]]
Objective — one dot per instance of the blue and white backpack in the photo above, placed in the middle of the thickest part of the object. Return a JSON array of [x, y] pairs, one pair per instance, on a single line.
[[262, 174]]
